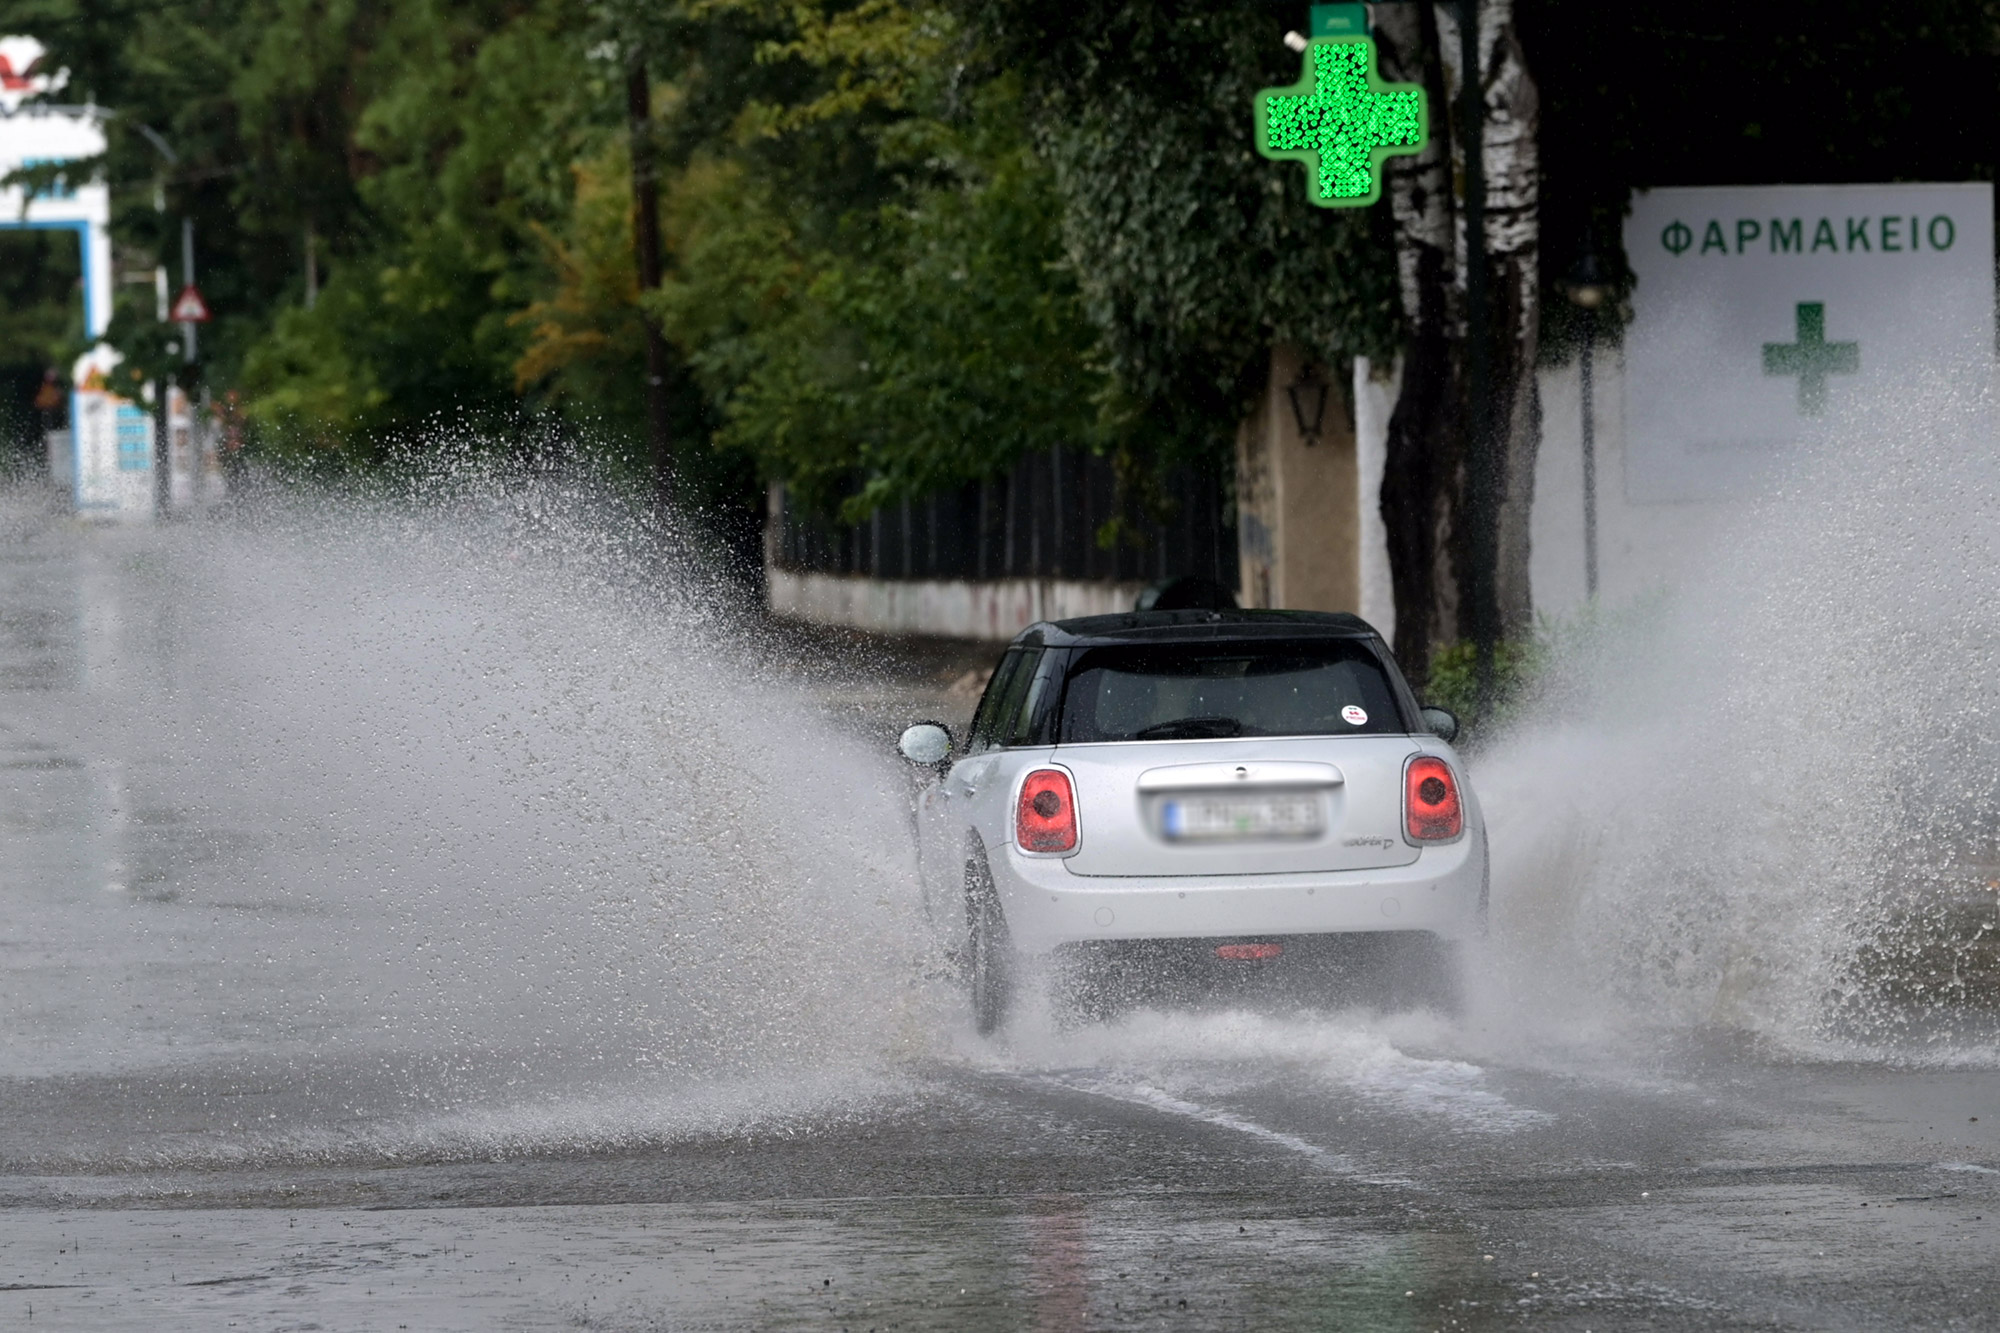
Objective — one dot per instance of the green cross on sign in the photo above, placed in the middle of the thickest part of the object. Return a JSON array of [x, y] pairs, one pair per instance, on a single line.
[[1341, 121], [1812, 358]]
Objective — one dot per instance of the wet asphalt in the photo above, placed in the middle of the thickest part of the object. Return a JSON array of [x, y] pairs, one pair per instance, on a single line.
[[1278, 1168], [1732, 1194]]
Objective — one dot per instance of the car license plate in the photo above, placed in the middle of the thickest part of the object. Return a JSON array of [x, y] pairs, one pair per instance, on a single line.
[[1232, 818]]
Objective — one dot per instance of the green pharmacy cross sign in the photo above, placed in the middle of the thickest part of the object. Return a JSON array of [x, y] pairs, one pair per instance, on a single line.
[[1342, 121], [1812, 358]]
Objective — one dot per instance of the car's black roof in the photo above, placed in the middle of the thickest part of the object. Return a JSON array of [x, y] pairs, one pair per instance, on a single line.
[[1195, 627]]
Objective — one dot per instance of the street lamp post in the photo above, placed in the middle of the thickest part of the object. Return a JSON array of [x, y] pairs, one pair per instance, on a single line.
[[162, 416], [189, 347], [1588, 290]]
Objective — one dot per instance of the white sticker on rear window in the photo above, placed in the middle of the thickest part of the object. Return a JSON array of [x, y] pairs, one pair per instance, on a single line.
[[1354, 715]]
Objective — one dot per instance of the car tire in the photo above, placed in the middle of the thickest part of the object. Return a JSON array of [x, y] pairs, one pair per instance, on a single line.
[[989, 953]]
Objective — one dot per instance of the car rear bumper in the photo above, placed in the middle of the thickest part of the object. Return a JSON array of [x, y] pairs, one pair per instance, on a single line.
[[1046, 906]]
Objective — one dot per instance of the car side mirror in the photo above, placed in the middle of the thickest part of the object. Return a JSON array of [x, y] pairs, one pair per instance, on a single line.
[[926, 743], [1442, 722]]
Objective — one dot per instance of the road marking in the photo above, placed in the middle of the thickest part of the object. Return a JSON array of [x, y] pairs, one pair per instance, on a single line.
[[1157, 1099]]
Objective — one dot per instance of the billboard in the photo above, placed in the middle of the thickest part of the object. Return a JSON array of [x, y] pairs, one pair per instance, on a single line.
[[1764, 314]]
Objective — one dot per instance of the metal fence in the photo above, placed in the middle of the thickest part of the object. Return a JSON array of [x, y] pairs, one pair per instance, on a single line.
[[1039, 520]]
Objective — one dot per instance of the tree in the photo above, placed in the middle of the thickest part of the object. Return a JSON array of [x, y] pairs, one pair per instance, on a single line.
[[1425, 447], [934, 341], [643, 155], [864, 272], [906, 241], [1198, 258], [1459, 479], [1194, 256], [41, 324]]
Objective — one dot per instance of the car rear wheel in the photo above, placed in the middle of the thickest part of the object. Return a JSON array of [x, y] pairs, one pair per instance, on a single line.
[[990, 954]]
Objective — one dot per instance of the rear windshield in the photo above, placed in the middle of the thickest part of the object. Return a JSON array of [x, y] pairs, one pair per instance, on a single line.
[[1328, 687]]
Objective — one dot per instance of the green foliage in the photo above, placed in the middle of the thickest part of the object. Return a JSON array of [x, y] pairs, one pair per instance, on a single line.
[[909, 240], [899, 256], [418, 144], [41, 327], [583, 331], [397, 339], [930, 340], [1566, 661], [41, 313], [1454, 681], [1195, 254]]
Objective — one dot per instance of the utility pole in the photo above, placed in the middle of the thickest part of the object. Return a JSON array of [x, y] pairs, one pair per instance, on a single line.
[[1588, 290], [1482, 453], [188, 344], [646, 248], [163, 389], [312, 266], [162, 443], [190, 357]]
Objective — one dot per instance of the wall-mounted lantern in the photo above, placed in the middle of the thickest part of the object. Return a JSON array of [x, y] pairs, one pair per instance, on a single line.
[[1308, 395]]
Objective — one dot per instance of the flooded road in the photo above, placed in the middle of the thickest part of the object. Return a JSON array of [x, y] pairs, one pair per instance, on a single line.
[[415, 921]]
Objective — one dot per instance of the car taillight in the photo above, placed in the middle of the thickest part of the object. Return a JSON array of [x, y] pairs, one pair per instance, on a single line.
[[1431, 811], [1045, 821]]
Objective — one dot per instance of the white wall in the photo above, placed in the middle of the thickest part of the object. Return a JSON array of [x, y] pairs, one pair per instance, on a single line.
[[1374, 401], [952, 608], [1640, 547], [1705, 400]]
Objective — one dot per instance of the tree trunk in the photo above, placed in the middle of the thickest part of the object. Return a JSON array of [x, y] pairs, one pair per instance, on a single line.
[[1513, 246], [1438, 566], [1425, 444], [646, 251]]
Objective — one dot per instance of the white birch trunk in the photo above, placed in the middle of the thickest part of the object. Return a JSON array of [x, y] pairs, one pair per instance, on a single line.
[[1511, 162], [1423, 451], [1513, 244]]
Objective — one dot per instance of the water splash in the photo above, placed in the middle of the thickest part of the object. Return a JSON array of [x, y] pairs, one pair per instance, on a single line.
[[411, 810], [1389, 1062], [1767, 800]]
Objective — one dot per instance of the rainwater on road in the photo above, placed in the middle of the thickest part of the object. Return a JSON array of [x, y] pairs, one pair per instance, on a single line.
[[407, 921]]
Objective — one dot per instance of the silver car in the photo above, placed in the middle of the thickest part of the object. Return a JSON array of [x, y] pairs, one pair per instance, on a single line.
[[1200, 795]]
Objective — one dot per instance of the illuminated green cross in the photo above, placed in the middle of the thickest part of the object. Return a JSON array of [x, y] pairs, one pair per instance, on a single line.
[[1812, 358], [1341, 121]]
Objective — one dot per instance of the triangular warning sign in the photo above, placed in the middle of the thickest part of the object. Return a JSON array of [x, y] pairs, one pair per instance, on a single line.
[[189, 308]]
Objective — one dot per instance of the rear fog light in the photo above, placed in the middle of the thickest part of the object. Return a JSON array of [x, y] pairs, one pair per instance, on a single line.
[[1248, 953]]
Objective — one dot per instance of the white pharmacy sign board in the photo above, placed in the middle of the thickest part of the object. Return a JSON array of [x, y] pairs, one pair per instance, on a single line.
[[1763, 313]]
